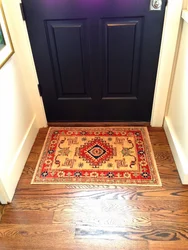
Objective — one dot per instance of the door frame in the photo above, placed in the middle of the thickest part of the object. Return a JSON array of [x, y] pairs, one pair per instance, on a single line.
[[166, 61]]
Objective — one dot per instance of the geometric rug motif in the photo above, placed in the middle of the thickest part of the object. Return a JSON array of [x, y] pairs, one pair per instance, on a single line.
[[98, 156]]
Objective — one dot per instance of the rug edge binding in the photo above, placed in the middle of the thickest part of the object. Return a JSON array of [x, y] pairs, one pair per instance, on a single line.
[[40, 156], [152, 156]]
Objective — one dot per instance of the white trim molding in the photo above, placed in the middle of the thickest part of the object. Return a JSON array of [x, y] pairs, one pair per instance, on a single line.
[[166, 60], [11, 175], [184, 15], [178, 154], [4, 199]]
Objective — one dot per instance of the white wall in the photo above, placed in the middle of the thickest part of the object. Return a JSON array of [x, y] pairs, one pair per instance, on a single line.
[[176, 120], [21, 108]]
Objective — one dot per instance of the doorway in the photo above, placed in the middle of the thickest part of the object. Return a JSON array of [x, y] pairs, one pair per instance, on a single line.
[[96, 60]]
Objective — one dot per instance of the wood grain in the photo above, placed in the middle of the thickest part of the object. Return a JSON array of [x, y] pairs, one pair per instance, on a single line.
[[27, 217], [171, 245], [164, 233], [81, 217], [1, 210]]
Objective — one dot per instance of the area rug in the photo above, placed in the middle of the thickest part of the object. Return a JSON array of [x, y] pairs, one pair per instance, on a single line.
[[99, 156]]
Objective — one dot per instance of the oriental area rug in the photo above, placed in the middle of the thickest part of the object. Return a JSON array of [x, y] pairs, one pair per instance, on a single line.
[[98, 156]]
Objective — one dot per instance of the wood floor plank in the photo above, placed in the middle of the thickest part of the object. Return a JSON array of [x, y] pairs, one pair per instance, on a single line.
[[171, 245], [155, 193], [54, 237], [1, 210], [27, 217], [112, 219], [179, 216], [30, 230], [174, 182], [80, 191], [162, 233], [49, 203], [66, 244]]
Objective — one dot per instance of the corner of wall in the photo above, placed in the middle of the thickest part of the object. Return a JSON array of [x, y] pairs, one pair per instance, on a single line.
[[4, 199], [178, 154]]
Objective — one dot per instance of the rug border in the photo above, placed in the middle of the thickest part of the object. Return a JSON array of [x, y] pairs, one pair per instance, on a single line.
[[40, 156], [146, 138], [152, 155]]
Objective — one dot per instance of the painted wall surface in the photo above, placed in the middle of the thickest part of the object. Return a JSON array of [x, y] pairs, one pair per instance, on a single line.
[[178, 107], [15, 112], [176, 120], [21, 109]]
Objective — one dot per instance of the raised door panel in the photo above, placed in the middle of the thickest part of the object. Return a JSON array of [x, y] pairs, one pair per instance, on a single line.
[[68, 47], [121, 56]]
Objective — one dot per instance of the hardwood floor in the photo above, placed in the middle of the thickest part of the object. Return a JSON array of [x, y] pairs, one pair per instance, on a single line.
[[87, 217]]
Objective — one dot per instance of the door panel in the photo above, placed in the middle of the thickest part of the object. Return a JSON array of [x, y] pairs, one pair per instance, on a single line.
[[68, 47], [122, 40], [95, 60]]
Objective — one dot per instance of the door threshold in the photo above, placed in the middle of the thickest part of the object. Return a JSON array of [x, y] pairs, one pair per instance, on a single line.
[[97, 124]]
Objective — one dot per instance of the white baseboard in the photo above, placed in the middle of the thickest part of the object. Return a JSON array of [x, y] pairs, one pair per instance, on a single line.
[[3, 194], [12, 176], [178, 154]]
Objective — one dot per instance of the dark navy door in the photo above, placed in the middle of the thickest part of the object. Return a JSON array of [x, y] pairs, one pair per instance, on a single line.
[[96, 60]]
